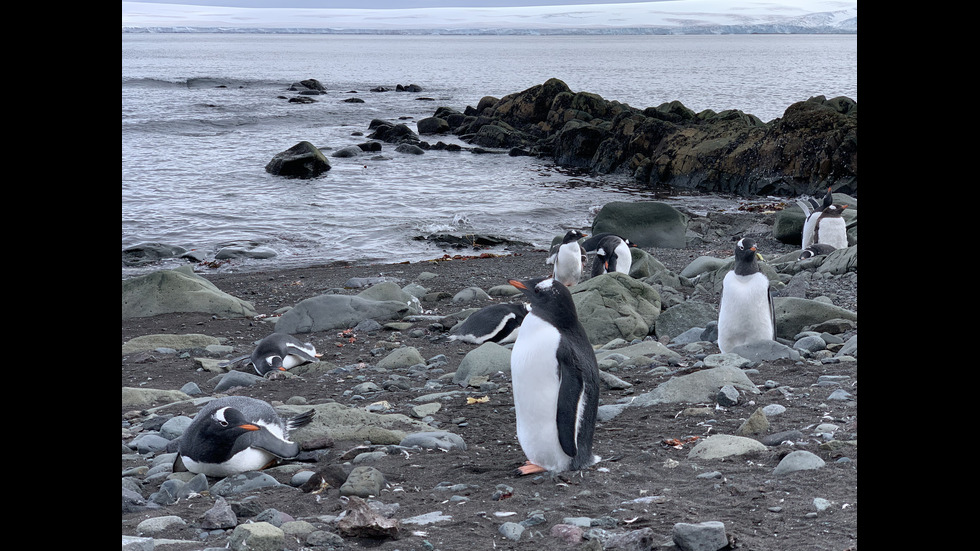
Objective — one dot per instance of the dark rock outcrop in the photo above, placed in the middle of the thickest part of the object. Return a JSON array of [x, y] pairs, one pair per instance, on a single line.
[[303, 160], [813, 146]]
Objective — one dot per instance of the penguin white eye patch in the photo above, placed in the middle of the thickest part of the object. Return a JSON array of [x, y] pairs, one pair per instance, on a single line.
[[545, 284]]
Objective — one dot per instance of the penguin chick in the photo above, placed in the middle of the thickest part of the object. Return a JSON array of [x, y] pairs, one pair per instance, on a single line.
[[556, 381], [746, 314]]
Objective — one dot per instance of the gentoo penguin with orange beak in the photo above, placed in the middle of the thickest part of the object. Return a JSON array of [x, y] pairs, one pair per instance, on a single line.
[[556, 381], [570, 259], [235, 434], [280, 352], [746, 313], [612, 254], [824, 225]]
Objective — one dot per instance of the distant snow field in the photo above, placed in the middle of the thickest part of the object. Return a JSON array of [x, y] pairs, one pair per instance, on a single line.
[[672, 15]]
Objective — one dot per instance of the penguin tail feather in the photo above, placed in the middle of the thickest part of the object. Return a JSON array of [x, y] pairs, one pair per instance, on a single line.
[[300, 420]]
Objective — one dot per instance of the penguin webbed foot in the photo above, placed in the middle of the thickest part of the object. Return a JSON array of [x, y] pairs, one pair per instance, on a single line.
[[529, 468]]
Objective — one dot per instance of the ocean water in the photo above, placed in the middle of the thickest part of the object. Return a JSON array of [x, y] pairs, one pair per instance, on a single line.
[[202, 114]]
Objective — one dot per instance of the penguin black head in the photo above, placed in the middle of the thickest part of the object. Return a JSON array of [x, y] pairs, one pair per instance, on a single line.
[[270, 363], [746, 256], [550, 300], [572, 235], [832, 211], [828, 199], [225, 425]]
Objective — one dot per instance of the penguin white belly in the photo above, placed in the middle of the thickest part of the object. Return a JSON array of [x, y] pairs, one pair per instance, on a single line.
[[833, 232], [624, 258], [534, 372], [249, 459], [568, 264], [292, 361], [744, 316], [808, 226]]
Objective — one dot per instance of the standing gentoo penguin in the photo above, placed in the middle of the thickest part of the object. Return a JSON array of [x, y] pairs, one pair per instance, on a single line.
[[824, 224], [612, 254], [556, 381], [746, 313], [570, 259], [236, 434], [499, 323], [280, 352]]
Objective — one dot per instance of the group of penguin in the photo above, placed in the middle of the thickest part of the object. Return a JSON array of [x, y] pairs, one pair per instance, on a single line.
[[554, 371]]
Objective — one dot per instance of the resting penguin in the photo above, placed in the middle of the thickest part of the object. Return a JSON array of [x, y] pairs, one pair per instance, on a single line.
[[612, 254], [280, 352], [236, 434], [499, 323], [569, 261], [746, 313], [555, 381], [824, 223], [815, 250]]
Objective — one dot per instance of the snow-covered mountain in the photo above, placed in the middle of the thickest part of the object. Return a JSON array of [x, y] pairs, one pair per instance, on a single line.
[[663, 17]]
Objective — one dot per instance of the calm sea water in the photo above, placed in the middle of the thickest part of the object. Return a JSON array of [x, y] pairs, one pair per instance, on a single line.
[[202, 115]]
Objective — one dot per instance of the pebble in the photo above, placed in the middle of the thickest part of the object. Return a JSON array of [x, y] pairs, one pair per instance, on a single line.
[[149, 438], [511, 530]]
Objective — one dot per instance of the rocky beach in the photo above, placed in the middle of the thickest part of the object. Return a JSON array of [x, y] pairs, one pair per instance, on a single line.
[[413, 443]]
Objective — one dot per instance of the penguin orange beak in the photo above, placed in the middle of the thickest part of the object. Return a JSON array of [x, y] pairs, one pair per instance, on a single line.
[[282, 369], [249, 427], [517, 284]]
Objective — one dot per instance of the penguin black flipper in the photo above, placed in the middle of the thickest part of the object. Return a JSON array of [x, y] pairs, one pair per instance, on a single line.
[[592, 243], [576, 412], [569, 395], [304, 351], [265, 440]]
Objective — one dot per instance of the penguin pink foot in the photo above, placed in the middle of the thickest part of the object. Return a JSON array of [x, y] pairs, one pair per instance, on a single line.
[[530, 468]]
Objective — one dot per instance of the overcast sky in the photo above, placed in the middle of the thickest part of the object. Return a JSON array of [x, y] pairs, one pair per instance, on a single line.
[[379, 4]]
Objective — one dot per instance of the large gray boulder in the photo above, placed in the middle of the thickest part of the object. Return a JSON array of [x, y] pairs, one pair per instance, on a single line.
[[390, 291], [645, 223], [698, 387], [338, 422], [793, 314], [327, 312], [486, 359], [179, 291], [615, 305], [675, 320]]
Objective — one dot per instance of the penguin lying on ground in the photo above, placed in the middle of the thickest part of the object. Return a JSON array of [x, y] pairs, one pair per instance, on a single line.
[[556, 381], [824, 223], [612, 254], [815, 250], [280, 352], [746, 313], [499, 323], [569, 260], [236, 434]]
